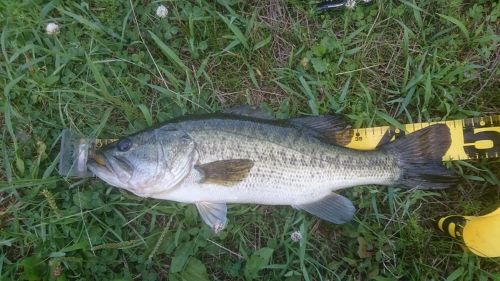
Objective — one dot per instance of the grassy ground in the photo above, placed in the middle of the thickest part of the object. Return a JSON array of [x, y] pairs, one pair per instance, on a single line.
[[115, 68]]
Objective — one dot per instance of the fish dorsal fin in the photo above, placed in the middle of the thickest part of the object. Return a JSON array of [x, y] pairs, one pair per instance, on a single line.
[[249, 111], [225, 172], [327, 127], [334, 208], [213, 214]]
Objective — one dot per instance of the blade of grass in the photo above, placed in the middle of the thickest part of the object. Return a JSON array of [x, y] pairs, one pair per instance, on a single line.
[[389, 120], [311, 99], [458, 23], [236, 31], [89, 24], [147, 114], [169, 53]]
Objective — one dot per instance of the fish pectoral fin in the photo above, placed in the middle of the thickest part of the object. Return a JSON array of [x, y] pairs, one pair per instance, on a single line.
[[213, 214], [249, 111], [334, 208], [327, 127], [225, 172]]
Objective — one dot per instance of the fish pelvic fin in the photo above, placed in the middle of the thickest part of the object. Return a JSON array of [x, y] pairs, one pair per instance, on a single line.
[[334, 208], [420, 154], [213, 214]]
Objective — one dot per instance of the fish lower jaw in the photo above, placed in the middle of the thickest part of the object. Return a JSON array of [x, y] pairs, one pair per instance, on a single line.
[[148, 192]]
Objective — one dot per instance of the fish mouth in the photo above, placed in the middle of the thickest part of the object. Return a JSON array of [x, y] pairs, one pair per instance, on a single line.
[[112, 169], [98, 165]]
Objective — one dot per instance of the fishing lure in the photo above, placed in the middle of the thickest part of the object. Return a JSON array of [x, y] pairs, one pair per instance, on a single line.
[[340, 4]]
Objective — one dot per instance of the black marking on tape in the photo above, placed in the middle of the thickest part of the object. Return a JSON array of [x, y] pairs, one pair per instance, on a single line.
[[459, 223], [470, 137]]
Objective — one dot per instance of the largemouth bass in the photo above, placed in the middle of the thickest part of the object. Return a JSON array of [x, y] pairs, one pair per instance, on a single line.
[[215, 159]]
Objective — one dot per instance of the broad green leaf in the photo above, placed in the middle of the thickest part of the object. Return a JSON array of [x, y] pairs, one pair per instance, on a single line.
[[256, 262], [195, 270], [182, 254], [319, 64], [33, 268]]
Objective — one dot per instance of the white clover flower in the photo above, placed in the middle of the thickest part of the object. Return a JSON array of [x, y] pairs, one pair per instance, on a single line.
[[162, 11], [52, 28], [350, 4], [296, 236]]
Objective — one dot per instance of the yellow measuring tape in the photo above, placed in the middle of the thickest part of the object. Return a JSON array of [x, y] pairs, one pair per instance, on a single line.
[[471, 138]]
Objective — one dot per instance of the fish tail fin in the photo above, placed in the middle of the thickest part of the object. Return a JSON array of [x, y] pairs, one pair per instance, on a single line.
[[419, 156]]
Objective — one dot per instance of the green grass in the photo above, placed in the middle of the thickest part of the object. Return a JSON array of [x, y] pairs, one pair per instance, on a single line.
[[113, 70]]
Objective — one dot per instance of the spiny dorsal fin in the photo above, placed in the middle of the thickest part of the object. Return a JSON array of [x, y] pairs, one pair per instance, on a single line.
[[328, 127], [225, 172], [249, 111]]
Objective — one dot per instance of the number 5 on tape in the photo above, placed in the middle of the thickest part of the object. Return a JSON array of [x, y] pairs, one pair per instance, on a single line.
[[471, 138]]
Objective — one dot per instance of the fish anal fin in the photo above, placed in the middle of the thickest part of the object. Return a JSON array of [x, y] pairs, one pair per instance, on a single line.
[[213, 214], [334, 208], [225, 172]]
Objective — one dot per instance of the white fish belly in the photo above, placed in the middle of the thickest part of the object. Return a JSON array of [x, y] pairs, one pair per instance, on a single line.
[[283, 188]]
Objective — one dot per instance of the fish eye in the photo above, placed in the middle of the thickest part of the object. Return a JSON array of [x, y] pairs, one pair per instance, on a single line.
[[124, 145]]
